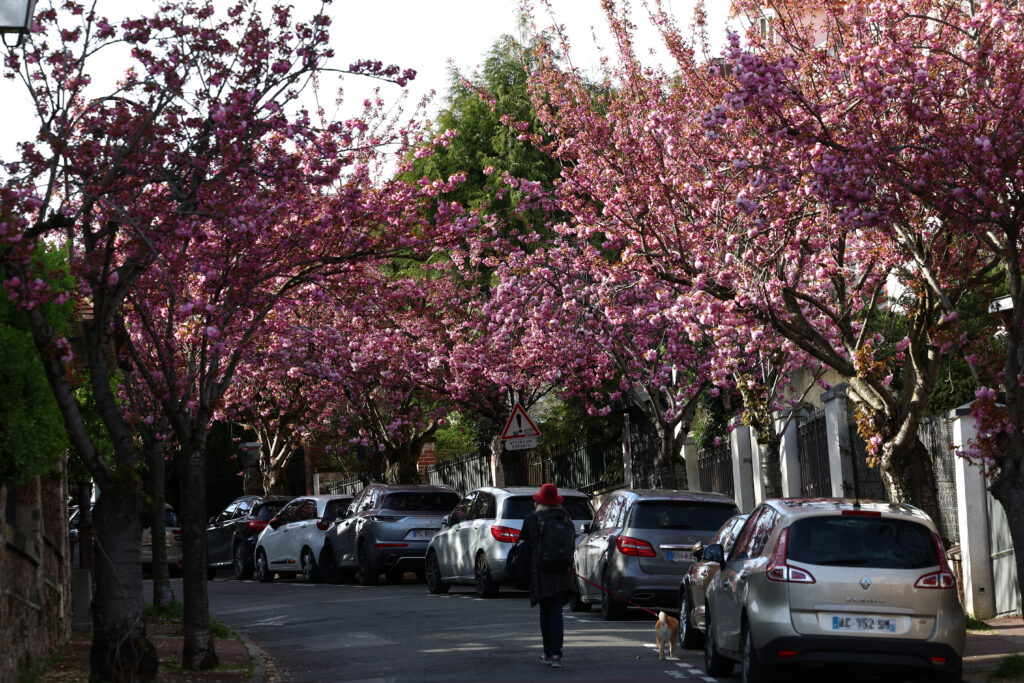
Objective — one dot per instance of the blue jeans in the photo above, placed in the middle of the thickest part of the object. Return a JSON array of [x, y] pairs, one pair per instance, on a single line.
[[551, 630]]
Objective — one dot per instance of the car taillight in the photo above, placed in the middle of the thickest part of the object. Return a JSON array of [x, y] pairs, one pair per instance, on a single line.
[[505, 534], [627, 545], [257, 525], [942, 578], [322, 525], [778, 570]]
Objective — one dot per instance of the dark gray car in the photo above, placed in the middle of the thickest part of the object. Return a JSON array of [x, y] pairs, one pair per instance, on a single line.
[[387, 529], [641, 542], [231, 535]]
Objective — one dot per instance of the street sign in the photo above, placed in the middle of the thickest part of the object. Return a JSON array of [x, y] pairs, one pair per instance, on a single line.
[[520, 444], [519, 433]]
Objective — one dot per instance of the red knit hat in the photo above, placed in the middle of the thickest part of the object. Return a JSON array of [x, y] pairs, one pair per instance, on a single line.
[[548, 495]]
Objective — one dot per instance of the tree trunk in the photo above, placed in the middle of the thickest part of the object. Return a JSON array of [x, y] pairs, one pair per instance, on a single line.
[[668, 455], [198, 652], [120, 650], [908, 476], [162, 593], [83, 494], [771, 465]]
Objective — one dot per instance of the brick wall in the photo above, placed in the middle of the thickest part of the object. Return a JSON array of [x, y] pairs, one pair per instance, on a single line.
[[35, 574]]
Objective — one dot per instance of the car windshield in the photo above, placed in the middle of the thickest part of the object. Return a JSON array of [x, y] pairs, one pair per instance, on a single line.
[[425, 501], [882, 542], [680, 514], [520, 506]]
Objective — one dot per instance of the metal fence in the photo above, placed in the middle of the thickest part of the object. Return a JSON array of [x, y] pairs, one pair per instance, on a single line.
[[936, 433], [583, 465], [714, 467], [463, 473], [812, 453]]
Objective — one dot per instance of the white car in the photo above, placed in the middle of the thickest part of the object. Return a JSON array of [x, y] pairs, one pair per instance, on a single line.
[[472, 546], [292, 541]]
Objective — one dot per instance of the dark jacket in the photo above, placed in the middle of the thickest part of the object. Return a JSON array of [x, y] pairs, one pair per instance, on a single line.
[[543, 584]]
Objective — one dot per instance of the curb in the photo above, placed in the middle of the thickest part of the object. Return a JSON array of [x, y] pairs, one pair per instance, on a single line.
[[259, 669]]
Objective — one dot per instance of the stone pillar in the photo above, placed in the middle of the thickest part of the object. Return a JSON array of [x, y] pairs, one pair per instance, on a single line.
[[742, 474], [972, 512], [692, 470], [497, 468], [789, 453], [755, 466], [840, 450]]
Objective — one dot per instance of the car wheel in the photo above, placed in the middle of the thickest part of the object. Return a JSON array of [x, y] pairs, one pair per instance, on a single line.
[[263, 568], [241, 562], [751, 669], [714, 663], [368, 576], [689, 637], [433, 575], [576, 602], [485, 584], [310, 573], [612, 608]]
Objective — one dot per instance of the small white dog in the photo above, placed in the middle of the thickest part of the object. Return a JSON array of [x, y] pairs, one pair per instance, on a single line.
[[666, 631]]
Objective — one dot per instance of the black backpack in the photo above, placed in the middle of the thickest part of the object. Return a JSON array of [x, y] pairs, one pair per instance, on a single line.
[[557, 541]]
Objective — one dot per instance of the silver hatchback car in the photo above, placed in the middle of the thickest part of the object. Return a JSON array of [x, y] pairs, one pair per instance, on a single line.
[[640, 544], [827, 581], [472, 546]]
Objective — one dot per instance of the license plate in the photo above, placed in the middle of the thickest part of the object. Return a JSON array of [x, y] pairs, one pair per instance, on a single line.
[[680, 556], [422, 534], [855, 623]]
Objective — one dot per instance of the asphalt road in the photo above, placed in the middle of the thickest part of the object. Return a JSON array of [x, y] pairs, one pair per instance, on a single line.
[[399, 633]]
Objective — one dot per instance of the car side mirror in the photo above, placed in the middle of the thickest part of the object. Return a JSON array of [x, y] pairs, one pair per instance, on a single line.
[[213, 520], [446, 520], [698, 551], [273, 523], [714, 553], [586, 527]]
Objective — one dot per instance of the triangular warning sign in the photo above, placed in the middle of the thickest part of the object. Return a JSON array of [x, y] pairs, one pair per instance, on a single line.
[[519, 425]]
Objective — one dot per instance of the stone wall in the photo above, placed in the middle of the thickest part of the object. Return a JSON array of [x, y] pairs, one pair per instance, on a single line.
[[35, 575]]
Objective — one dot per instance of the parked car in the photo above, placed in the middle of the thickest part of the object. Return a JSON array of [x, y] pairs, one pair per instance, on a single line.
[[231, 535], [472, 546], [294, 537], [172, 538], [695, 581], [841, 582], [387, 530], [640, 543]]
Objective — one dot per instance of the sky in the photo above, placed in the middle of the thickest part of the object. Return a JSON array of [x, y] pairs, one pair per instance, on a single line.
[[426, 36]]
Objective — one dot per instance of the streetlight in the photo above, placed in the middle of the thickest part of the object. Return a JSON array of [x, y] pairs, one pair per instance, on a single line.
[[16, 18]]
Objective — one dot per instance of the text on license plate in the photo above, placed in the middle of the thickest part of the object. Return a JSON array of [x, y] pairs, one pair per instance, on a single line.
[[421, 533], [680, 556], [853, 623]]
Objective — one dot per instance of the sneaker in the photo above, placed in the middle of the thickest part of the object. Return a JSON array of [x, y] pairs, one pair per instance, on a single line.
[[556, 661], [545, 660]]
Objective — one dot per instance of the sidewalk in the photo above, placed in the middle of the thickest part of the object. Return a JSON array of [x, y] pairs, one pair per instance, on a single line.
[[985, 649]]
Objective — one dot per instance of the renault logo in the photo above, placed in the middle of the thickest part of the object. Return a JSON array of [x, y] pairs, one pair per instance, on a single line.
[[865, 583]]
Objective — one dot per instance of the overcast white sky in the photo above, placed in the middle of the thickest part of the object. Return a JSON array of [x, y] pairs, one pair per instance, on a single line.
[[411, 33]]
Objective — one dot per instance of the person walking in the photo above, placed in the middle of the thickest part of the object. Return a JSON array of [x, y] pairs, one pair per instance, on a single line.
[[551, 582]]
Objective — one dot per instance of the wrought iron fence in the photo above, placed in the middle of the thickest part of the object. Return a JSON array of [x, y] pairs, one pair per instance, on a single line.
[[463, 473], [812, 452], [714, 467], [936, 433]]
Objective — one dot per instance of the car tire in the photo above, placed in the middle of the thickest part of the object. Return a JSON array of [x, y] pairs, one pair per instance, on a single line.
[[263, 568], [576, 602], [714, 663], [751, 668], [689, 637], [241, 562], [368, 575], [435, 585], [612, 609], [310, 572], [486, 587]]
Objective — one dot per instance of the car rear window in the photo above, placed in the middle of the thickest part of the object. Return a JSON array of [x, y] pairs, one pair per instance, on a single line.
[[335, 509], [519, 506], [432, 501], [264, 511], [882, 542], [680, 515]]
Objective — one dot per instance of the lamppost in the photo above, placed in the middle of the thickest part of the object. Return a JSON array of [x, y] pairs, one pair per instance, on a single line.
[[16, 18]]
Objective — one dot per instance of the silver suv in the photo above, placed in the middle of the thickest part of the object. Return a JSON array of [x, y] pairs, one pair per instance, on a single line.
[[640, 544], [827, 581], [386, 529], [472, 546]]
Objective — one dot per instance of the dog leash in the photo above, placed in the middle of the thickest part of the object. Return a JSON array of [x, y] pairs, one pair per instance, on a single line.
[[614, 595]]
